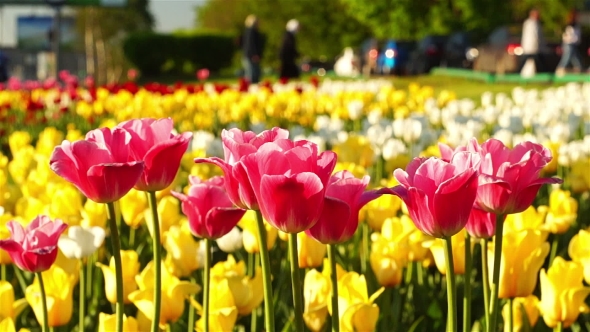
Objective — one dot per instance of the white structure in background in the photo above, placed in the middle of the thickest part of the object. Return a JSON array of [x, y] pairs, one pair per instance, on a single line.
[[347, 65]]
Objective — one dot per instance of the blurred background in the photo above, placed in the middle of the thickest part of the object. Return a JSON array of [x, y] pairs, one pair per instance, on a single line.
[[176, 38]]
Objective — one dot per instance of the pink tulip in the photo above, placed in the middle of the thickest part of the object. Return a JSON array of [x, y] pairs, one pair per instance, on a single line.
[[481, 224], [446, 152], [439, 195], [345, 196], [33, 248], [153, 142], [202, 74], [236, 145], [509, 178], [98, 166], [289, 180], [210, 212]]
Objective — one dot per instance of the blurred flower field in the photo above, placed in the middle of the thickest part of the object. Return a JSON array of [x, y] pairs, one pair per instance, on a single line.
[[391, 276]]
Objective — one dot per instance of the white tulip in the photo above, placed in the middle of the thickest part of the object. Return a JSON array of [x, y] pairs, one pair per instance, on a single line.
[[81, 242], [231, 241], [355, 109]]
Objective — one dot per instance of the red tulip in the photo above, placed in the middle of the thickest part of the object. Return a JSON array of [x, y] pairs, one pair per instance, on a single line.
[[33, 248], [509, 178], [236, 145], [202, 74], [345, 196], [98, 166], [210, 212], [153, 142], [289, 180], [481, 224], [439, 195]]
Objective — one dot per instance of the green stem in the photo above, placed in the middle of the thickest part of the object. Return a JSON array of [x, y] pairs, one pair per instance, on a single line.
[[191, 310], [89, 274], [116, 244], [334, 279], [510, 315], [269, 316], [485, 280], [451, 294], [132, 237], [467, 285], [82, 304], [43, 302], [206, 275], [494, 307], [157, 261], [21, 279], [2, 272], [554, 245], [365, 247], [252, 264], [296, 282], [419, 272], [559, 327]]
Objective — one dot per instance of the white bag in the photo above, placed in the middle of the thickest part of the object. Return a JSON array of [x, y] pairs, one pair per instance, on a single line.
[[529, 69]]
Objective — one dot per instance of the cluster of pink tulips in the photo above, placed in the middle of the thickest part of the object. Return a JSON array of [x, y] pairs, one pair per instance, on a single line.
[[293, 186]]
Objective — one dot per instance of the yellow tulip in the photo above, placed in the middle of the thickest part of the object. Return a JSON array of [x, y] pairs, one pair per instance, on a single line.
[[71, 266], [551, 167], [247, 292], [357, 170], [310, 252], [9, 308], [168, 215], [523, 254], [530, 305], [48, 139], [59, 287], [29, 208], [21, 164], [130, 263], [182, 250], [66, 205], [530, 218], [389, 253], [579, 251], [93, 214], [174, 292], [579, 177], [563, 211], [386, 206], [458, 243], [562, 293], [18, 140], [7, 325], [5, 234], [133, 205], [316, 295], [107, 323], [416, 239], [249, 227], [223, 312], [356, 149], [357, 312]]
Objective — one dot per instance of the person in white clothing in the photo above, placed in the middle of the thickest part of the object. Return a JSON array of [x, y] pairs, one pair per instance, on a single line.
[[571, 39], [532, 41]]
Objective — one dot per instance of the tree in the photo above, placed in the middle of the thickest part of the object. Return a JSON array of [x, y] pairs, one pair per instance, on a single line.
[[104, 29], [326, 28]]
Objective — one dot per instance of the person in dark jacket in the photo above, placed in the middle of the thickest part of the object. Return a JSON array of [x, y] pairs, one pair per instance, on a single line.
[[288, 53], [252, 50], [3, 68]]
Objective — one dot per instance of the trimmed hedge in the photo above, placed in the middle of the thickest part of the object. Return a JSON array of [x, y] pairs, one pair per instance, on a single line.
[[154, 54]]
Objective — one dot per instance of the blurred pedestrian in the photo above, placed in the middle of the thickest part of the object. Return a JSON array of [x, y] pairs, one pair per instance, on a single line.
[[252, 50], [288, 52], [571, 38], [532, 42]]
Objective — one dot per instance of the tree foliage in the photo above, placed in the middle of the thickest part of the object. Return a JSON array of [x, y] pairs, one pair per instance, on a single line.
[[326, 28]]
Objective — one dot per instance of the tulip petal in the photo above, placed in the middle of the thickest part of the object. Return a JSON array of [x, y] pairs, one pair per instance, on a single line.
[[334, 222], [110, 182], [291, 204], [221, 220], [161, 163], [417, 204], [461, 188]]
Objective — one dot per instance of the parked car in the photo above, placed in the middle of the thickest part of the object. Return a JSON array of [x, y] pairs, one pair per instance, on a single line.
[[457, 51], [427, 55], [393, 57], [502, 51]]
